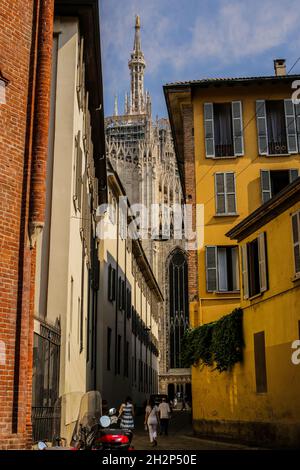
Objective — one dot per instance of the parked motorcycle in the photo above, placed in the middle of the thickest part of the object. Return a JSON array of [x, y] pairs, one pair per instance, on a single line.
[[110, 436], [88, 420], [92, 431]]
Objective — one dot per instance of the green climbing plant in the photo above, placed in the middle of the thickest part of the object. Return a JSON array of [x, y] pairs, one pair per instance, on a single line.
[[219, 343]]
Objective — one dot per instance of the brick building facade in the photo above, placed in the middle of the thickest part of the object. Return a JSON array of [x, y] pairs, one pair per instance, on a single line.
[[25, 66]]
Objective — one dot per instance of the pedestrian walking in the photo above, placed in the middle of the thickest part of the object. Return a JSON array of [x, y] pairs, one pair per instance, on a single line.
[[126, 414], [152, 421], [164, 416]]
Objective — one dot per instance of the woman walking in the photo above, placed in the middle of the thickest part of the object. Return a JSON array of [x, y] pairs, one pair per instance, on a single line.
[[152, 420], [126, 413]]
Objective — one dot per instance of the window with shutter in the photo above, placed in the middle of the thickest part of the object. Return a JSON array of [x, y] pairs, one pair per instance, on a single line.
[[222, 272], [262, 261], [111, 283], [265, 180], [77, 174], [209, 130], [293, 174], [120, 293], [114, 275], [290, 122], [274, 181], [108, 281], [255, 258], [296, 241], [277, 126], [220, 193], [230, 193], [86, 123], [80, 74], [225, 193], [244, 257], [237, 125], [211, 268], [262, 131], [84, 204]]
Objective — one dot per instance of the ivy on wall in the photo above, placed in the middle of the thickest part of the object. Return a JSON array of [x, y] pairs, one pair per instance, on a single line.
[[219, 343]]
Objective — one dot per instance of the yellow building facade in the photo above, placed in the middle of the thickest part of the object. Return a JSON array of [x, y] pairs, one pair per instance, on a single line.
[[238, 146], [266, 385]]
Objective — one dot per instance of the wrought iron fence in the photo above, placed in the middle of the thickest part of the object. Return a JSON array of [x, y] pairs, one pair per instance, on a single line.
[[46, 356]]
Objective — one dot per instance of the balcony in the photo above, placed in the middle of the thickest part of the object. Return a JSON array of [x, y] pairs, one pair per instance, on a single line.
[[222, 150]]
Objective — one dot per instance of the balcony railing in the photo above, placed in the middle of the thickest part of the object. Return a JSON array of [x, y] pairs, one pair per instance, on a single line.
[[278, 148], [222, 150]]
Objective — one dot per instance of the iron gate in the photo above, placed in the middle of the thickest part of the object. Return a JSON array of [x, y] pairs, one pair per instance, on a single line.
[[45, 382]]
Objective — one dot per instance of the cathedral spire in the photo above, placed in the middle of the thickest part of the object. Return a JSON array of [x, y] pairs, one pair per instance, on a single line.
[[116, 111], [137, 36], [137, 66]]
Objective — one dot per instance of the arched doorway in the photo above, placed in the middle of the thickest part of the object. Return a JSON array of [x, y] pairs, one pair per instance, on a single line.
[[179, 307]]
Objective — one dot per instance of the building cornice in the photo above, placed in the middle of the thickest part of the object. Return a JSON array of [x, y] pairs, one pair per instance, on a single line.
[[268, 211], [87, 12]]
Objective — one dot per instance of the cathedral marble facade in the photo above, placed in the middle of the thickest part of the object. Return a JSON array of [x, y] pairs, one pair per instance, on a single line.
[[142, 154]]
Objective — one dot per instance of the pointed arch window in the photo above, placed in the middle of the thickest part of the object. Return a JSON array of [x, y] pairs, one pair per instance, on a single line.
[[179, 306]]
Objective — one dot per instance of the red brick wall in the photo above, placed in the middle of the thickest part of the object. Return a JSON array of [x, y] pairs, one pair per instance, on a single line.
[[20, 64], [190, 193]]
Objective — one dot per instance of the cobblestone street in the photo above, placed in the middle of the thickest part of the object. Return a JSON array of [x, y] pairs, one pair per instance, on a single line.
[[180, 437]]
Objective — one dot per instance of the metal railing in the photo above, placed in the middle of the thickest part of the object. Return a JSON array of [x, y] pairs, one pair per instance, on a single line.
[[45, 420]]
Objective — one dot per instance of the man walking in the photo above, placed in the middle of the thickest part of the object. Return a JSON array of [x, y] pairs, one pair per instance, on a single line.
[[164, 414]]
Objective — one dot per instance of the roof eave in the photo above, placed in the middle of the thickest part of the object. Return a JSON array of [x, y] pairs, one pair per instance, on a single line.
[[268, 211]]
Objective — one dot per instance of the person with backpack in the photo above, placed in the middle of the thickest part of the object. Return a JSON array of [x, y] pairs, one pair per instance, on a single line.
[[152, 421]]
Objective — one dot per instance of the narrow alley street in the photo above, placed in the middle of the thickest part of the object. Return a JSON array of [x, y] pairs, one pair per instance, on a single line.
[[180, 436]]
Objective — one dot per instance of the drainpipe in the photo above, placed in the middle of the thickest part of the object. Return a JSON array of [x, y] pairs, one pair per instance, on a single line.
[[41, 121]]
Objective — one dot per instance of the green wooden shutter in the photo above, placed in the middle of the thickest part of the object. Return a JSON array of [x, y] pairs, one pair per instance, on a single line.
[[237, 126], [220, 193], [109, 282], [265, 181], [293, 174], [244, 258], [114, 275], [211, 269], [230, 193], [262, 261], [209, 130], [290, 122], [262, 130], [296, 240]]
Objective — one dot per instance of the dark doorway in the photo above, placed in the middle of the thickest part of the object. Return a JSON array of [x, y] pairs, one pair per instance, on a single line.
[[188, 392], [171, 391]]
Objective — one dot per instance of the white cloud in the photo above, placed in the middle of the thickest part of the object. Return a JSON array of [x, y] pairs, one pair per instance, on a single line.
[[222, 34], [241, 30]]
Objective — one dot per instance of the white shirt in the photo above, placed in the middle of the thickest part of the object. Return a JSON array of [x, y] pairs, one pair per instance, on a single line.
[[152, 419], [164, 410]]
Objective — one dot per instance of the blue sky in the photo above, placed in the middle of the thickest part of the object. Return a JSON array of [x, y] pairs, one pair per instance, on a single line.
[[192, 39]]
